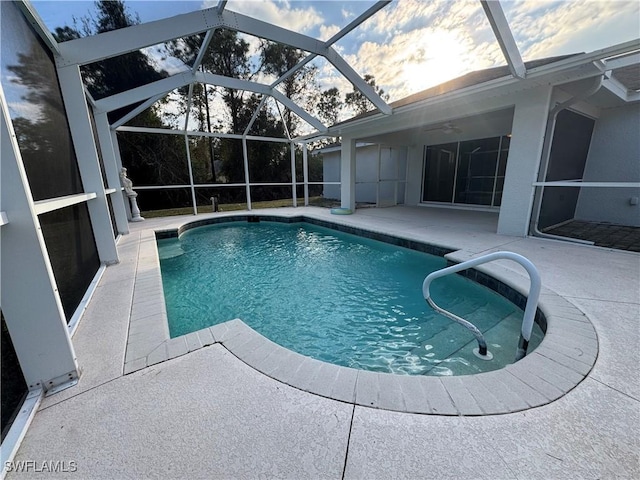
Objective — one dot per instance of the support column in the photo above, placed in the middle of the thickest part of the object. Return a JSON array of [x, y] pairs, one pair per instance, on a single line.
[[85, 147], [305, 173], [525, 150], [292, 150], [29, 297], [112, 171], [245, 159], [348, 174]]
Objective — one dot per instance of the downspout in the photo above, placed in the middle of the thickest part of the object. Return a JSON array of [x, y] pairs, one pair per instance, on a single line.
[[546, 155]]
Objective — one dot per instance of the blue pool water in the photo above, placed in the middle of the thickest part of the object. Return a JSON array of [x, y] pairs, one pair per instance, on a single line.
[[335, 297]]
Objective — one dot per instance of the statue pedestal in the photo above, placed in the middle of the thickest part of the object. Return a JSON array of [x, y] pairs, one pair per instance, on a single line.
[[135, 211]]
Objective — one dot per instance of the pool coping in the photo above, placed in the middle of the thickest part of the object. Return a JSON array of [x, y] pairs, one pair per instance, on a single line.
[[563, 359]]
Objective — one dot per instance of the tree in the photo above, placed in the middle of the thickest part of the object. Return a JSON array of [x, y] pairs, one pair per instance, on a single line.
[[151, 160], [329, 106], [117, 74], [359, 102], [278, 59]]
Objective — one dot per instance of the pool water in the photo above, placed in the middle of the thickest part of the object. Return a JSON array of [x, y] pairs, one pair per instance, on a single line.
[[335, 297]]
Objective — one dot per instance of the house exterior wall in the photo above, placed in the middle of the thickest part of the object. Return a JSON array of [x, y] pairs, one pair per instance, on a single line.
[[366, 172], [529, 124], [331, 173], [614, 156], [415, 159]]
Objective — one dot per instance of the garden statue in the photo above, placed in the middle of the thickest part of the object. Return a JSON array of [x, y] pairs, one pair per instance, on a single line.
[[127, 185]]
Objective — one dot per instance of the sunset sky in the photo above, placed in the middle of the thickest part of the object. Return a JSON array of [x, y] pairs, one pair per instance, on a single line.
[[411, 45]]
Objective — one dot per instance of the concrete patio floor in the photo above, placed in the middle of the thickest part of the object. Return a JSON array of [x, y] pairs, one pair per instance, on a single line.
[[208, 415]]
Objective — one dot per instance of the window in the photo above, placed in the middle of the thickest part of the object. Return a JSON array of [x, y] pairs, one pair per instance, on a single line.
[[14, 388], [469, 172], [36, 107]]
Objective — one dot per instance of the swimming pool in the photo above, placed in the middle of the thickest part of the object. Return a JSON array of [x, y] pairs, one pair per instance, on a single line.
[[332, 296]]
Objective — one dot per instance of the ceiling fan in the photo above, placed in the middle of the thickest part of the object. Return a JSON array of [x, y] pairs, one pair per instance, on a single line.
[[446, 128]]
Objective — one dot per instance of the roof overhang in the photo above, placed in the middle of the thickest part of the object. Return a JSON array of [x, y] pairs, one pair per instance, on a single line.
[[483, 97]]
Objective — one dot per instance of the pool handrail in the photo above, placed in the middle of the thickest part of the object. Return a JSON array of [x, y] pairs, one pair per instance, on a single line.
[[529, 311]]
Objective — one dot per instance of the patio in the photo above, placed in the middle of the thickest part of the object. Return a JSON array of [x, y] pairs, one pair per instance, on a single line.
[[207, 414]]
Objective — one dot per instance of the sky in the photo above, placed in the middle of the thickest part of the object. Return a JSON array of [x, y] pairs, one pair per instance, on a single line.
[[411, 45]]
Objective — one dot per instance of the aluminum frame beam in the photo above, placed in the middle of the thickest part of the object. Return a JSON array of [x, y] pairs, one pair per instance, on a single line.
[[500, 26], [203, 50], [145, 92], [109, 44], [351, 26], [357, 21], [139, 109], [38, 25]]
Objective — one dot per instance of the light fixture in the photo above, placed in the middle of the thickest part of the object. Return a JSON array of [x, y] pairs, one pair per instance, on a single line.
[[446, 128]]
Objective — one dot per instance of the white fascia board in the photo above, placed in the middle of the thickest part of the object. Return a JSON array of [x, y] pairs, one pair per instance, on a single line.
[[495, 92], [91, 49], [143, 93], [345, 69], [311, 137], [622, 61], [500, 27], [586, 58]]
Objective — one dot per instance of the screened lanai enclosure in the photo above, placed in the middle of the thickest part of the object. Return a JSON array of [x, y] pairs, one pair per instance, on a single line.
[[468, 105]]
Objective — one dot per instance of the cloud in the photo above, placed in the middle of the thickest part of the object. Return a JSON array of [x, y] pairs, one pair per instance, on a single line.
[[24, 109], [328, 31], [411, 45], [416, 45], [291, 15], [548, 28]]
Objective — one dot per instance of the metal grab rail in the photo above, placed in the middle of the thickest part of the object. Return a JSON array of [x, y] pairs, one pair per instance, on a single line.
[[529, 311]]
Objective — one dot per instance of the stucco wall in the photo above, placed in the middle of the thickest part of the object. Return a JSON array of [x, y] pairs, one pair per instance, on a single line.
[[614, 156], [331, 173], [367, 171]]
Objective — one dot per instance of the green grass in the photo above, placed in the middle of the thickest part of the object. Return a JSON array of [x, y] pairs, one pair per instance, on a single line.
[[230, 207]]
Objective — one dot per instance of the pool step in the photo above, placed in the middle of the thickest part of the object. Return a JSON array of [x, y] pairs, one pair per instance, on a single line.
[[171, 249], [456, 341]]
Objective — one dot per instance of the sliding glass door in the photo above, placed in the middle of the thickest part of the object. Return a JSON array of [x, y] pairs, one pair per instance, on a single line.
[[469, 172]]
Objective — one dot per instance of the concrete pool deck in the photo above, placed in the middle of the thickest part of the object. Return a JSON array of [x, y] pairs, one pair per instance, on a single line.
[[207, 414]]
